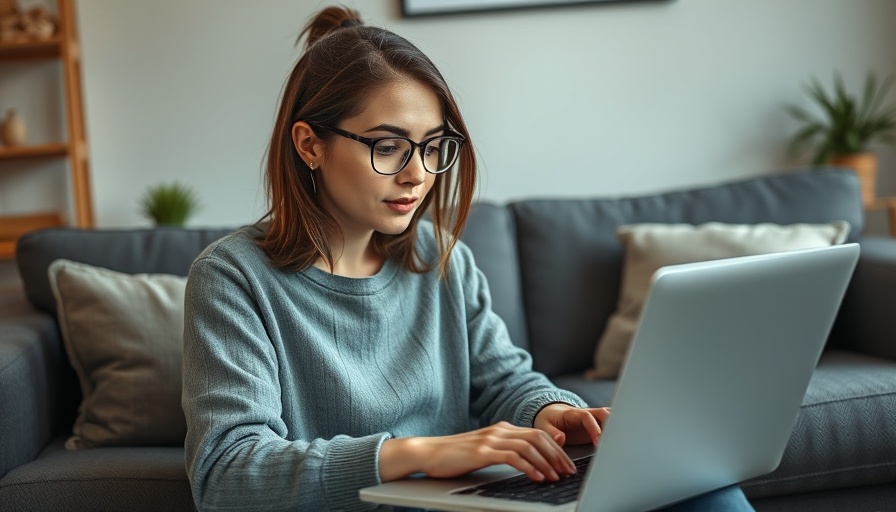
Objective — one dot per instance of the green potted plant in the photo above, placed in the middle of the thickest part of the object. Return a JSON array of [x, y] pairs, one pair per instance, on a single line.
[[848, 127], [170, 204]]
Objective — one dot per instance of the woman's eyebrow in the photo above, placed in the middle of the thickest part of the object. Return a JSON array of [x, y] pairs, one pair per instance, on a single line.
[[397, 130]]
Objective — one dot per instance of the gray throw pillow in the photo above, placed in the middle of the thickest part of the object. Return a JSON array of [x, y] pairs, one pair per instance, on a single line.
[[124, 337], [651, 246]]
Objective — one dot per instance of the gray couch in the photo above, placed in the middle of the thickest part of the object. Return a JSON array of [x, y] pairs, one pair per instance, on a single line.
[[554, 270]]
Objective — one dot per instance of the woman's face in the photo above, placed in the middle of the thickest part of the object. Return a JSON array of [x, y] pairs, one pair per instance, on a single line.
[[361, 200]]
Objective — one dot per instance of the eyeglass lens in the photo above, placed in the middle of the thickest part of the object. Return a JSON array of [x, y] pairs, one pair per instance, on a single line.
[[390, 155]]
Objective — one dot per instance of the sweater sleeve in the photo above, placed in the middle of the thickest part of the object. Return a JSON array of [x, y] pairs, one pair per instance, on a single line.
[[504, 385], [238, 456]]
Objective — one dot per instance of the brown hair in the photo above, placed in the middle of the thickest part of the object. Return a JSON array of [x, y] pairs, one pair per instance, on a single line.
[[343, 61]]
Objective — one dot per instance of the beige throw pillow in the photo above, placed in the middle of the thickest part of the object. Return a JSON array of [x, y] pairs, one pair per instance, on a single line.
[[124, 337], [651, 246]]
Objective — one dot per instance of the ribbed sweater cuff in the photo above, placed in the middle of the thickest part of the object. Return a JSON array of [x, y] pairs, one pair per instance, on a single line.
[[351, 464], [525, 415]]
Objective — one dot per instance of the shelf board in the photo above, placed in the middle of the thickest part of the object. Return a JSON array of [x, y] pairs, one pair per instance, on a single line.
[[7, 249], [24, 49], [14, 226], [34, 151]]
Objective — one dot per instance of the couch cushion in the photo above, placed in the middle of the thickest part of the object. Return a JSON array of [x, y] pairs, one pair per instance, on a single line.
[[124, 336], [161, 250], [869, 498], [570, 258], [125, 478], [651, 246], [844, 434]]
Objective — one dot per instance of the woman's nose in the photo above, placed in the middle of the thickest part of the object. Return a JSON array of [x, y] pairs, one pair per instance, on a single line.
[[413, 173]]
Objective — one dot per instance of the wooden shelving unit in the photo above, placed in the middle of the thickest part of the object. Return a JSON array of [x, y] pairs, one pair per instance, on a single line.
[[63, 47]]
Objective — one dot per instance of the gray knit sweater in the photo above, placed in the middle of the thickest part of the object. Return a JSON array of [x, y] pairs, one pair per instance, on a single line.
[[292, 381]]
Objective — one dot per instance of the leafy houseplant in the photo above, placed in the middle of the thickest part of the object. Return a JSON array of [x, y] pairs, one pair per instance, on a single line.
[[169, 204], [848, 128]]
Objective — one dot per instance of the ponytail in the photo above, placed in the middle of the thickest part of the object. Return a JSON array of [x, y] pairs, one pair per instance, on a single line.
[[329, 20]]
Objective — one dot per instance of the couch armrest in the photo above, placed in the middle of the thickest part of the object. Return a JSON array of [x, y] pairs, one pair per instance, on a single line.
[[867, 319], [33, 370]]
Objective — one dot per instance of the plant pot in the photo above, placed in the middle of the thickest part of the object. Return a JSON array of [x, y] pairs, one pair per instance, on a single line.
[[865, 166]]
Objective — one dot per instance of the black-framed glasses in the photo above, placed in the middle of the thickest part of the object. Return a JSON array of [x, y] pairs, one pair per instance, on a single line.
[[389, 155]]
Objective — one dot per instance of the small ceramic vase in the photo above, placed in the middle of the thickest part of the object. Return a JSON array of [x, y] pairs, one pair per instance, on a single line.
[[13, 129]]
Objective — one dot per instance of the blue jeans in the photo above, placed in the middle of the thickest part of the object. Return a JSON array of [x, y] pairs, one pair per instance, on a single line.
[[728, 499]]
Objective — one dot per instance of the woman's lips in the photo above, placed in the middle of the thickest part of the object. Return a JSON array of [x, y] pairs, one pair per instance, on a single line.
[[402, 204]]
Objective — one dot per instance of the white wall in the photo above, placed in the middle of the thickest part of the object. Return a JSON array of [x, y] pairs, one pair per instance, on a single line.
[[573, 101]]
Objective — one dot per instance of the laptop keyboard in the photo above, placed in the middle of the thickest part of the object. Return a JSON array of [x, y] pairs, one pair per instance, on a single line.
[[521, 488]]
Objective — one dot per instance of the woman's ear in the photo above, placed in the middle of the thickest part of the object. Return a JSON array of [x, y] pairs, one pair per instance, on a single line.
[[308, 146]]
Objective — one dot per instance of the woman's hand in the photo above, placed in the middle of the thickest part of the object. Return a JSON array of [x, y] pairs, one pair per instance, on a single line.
[[570, 425], [529, 450]]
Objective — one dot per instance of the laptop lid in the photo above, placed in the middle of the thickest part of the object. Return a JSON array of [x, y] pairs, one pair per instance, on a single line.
[[710, 389], [715, 376]]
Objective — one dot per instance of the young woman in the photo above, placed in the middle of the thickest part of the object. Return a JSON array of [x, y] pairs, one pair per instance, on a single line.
[[344, 341]]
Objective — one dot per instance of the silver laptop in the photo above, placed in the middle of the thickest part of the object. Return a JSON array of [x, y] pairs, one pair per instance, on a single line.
[[708, 395]]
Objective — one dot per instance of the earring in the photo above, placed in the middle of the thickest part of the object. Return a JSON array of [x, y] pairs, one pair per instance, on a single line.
[[313, 185]]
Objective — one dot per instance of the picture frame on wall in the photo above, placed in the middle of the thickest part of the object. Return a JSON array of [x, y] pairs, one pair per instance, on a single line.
[[411, 8]]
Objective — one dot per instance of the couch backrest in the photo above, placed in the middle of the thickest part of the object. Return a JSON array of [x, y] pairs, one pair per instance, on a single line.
[[553, 266], [164, 250], [491, 235], [569, 259]]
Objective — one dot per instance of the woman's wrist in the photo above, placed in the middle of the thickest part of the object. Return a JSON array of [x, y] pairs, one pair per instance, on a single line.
[[400, 457]]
